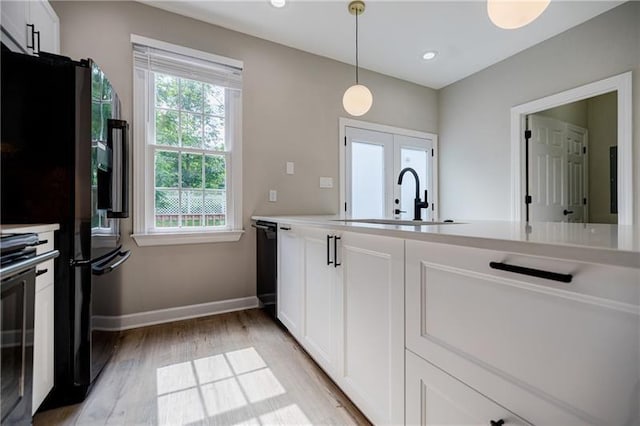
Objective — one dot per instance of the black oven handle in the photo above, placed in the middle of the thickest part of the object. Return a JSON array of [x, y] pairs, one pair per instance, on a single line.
[[119, 152], [16, 268], [105, 267]]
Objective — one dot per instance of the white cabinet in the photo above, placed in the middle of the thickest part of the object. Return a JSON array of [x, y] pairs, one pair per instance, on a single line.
[[371, 339], [46, 22], [551, 352], [321, 310], [290, 278], [43, 345], [29, 24], [350, 313], [436, 398]]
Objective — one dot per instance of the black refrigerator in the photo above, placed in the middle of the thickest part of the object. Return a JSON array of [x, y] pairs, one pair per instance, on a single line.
[[64, 159]]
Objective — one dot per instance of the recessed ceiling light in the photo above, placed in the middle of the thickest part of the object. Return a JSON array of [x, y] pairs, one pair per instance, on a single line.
[[429, 55], [278, 3]]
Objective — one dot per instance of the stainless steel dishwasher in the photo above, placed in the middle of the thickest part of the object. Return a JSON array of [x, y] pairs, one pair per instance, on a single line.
[[267, 265]]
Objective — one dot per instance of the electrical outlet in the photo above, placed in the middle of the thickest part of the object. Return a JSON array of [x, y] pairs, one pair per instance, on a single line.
[[326, 182], [290, 168], [273, 195]]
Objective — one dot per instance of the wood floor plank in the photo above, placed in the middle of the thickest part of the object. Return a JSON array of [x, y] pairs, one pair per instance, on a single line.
[[235, 368]]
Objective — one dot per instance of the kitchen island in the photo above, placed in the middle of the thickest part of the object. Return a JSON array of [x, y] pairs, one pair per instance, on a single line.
[[480, 322]]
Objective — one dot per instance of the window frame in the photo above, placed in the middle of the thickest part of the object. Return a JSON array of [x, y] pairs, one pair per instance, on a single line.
[[144, 231]]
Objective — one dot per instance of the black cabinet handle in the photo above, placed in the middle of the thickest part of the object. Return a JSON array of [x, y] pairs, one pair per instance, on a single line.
[[539, 273], [33, 45], [398, 211], [335, 251], [34, 50], [285, 228], [567, 212], [329, 261], [41, 272], [496, 422], [39, 243]]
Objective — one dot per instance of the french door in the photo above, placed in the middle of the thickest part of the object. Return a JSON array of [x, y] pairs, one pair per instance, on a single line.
[[373, 161]]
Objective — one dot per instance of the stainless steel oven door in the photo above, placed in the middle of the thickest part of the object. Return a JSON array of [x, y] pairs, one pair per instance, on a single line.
[[16, 359]]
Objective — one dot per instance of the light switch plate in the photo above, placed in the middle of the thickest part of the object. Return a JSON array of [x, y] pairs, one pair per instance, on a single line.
[[290, 168], [273, 195], [326, 182]]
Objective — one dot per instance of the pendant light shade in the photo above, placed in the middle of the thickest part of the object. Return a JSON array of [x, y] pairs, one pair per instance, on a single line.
[[357, 99], [512, 14]]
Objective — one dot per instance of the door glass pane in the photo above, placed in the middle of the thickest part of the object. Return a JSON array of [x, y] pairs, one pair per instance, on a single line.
[[417, 160], [367, 180]]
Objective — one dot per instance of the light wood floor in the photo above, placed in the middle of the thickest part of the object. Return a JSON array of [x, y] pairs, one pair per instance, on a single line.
[[236, 368]]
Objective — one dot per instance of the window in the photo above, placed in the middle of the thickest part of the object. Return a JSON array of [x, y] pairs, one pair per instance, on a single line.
[[187, 145], [372, 158]]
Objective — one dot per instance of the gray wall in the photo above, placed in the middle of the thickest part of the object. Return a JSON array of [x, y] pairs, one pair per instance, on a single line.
[[574, 113], [474, 118], [291, 104]]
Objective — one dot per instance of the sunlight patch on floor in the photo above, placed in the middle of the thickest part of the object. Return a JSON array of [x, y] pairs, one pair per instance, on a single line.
[[207, 387]]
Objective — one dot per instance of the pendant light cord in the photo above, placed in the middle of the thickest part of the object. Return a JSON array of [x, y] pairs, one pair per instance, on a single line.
[[357, 47]]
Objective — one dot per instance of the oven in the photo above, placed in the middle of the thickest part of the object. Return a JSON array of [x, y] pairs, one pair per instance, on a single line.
[[17, 297]]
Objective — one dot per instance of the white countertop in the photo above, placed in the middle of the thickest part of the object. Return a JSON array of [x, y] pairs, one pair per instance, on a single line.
[[35, 227], [595, 243]]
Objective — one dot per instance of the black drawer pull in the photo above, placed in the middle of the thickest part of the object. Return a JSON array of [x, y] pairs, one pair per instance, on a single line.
[[39, 243], [554, 276], [41, 272], [285, 228], [496, 422]]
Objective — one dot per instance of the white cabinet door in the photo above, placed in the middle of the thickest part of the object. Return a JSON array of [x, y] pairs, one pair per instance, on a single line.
[[290, 278], [320, 296], [45, 20], [14, 17], [42, 346], [436, 398], [372, 333]]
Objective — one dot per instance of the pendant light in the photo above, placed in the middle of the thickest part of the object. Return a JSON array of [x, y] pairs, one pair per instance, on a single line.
[[357, 99], [512, 14]]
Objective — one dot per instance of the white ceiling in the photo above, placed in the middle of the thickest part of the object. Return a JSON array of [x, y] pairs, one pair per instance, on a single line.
[[393, 34]]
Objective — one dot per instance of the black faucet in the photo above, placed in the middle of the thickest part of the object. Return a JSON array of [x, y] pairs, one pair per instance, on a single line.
[[418, 204]]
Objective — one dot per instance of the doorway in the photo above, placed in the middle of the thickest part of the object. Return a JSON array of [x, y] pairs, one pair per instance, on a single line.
[[579, 158], [371, 158]]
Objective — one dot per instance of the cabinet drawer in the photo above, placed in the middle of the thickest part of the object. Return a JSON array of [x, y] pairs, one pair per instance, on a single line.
[[45, 247], [555, 353], [436, 398]]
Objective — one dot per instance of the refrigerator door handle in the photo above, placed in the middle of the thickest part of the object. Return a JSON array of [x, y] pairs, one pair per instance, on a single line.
[[78, 263], [105, 268], [118, 142]]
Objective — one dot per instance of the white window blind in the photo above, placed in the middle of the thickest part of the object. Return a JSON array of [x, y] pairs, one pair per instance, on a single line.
[[159, 60]]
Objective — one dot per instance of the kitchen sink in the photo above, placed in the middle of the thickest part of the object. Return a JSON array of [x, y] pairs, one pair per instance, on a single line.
[[396, 222]]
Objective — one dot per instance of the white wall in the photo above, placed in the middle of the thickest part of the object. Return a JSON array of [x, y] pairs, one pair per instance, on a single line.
[[291, 104], [474, 113]]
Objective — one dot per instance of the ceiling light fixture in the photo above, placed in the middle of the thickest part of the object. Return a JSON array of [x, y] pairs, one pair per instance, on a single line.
[[512, 14], [278, 3], [357, 99], [429, 55]]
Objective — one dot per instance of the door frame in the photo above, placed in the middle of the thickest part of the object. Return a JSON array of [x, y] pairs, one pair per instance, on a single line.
[[344, 122], [621, 84]]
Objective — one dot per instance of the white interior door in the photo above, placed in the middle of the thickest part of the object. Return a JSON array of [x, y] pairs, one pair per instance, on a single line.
[[548, 169], [578, 174], [558, 170], [369, 158], [417, 154]]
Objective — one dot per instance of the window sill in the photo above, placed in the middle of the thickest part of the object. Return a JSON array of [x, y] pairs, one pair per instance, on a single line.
[[174, 239]]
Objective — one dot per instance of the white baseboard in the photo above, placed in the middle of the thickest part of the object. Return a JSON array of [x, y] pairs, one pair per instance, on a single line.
[[160, 316]]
